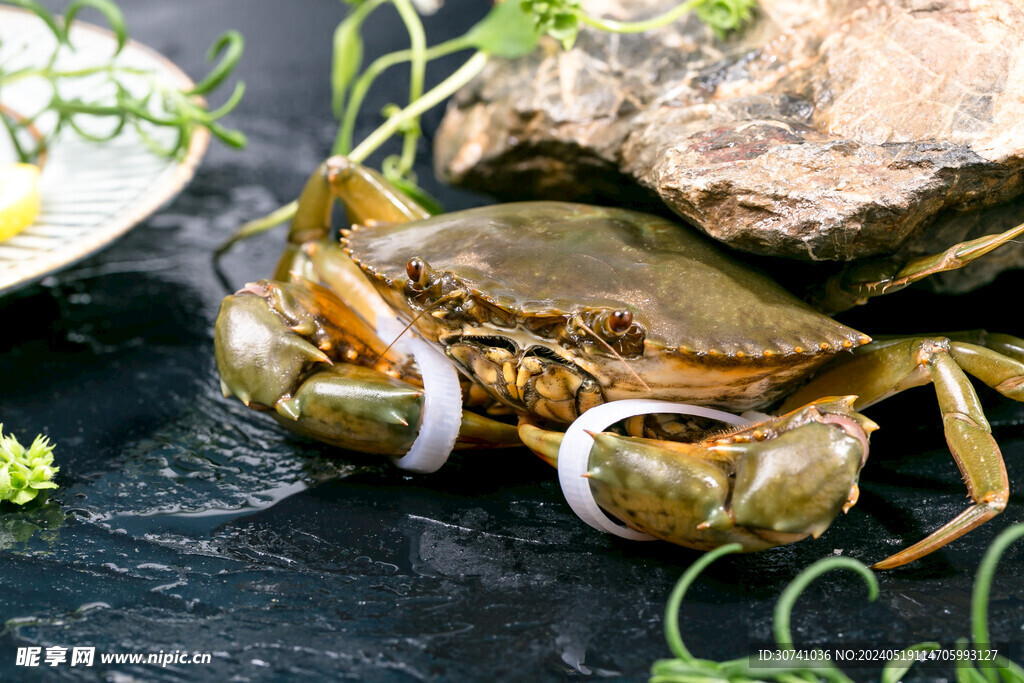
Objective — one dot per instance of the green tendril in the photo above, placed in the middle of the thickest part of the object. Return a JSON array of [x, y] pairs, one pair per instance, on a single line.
[[685, 667], [983, 590], [675, 600], [153, 102], [110, 11], [784, 607], [895, 669], [226, 51]]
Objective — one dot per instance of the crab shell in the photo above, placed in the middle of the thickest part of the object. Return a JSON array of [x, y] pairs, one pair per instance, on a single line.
[[555, 307]]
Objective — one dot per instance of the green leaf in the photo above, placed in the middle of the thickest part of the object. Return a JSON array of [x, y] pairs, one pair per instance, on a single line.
[[6, 490], [348, 57], [559, 19], [18, 480], [564, 29], [507, 31], [24, 496], [724, 15]]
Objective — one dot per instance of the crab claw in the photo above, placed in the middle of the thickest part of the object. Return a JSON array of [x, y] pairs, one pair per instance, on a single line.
[[771, 483], [296, 350], [259, 356], [793, 475], [355, 408]]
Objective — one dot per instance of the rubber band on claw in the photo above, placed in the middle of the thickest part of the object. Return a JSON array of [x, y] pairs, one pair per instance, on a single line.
[[441, 415], [574, 454]]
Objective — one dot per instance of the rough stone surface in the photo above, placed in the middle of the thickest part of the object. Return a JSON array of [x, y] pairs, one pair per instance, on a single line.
[[825, 131]]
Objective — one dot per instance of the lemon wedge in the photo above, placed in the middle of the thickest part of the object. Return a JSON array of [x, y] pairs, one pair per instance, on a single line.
[[19, 198]]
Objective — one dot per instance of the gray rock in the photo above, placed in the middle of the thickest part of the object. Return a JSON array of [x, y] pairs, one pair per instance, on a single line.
[[826, 131]]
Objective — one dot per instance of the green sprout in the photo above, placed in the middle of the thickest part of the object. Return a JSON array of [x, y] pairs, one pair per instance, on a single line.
[[159, 104], [561, 19], [513, 28], [685, 668], [25, 472]]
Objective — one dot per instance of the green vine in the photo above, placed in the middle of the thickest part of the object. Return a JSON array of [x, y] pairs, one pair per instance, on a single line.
[[685, 668], [159, 104]]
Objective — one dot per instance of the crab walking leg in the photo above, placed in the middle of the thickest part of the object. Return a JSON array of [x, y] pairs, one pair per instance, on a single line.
[[367, 196], [310, 253], [1001, 344], [860, 282], [881, 369], [768, 484]]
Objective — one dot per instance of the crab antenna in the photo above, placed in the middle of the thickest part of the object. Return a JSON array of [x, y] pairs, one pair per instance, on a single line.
[[444, 299], [400, 335], [615, 353]]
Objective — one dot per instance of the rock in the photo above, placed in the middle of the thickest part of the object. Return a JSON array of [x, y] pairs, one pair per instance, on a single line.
[[826, 131]]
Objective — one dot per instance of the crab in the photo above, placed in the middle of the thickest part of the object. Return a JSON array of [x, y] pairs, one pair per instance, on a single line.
[[549, 310]]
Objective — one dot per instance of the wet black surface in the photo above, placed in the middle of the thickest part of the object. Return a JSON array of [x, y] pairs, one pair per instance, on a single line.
[[185, 522]]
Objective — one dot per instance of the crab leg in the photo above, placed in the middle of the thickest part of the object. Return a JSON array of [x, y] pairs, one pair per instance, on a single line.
[[366, 194], [310, 253], [881, 369], [862, 281]]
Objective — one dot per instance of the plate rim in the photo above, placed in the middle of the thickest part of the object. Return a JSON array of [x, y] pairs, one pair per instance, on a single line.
[[112, 230]]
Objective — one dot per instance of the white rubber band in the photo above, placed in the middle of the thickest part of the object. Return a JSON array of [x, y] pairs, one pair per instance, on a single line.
[[441, 415], [574, 454]]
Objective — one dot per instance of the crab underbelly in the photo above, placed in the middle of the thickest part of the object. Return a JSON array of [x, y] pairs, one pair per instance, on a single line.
[[535, 376]]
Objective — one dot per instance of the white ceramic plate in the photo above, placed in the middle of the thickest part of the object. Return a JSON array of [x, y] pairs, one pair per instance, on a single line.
[[92, 193]]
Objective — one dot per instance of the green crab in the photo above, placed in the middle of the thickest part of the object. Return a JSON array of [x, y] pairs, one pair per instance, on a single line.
[[550, 309]]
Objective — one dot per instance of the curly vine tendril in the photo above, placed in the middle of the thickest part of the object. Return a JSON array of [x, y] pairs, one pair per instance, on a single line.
[[981, 595], [686, 668]]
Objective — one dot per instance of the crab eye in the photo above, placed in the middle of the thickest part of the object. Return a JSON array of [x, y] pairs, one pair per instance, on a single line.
[[415, 269], [619, 322]]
